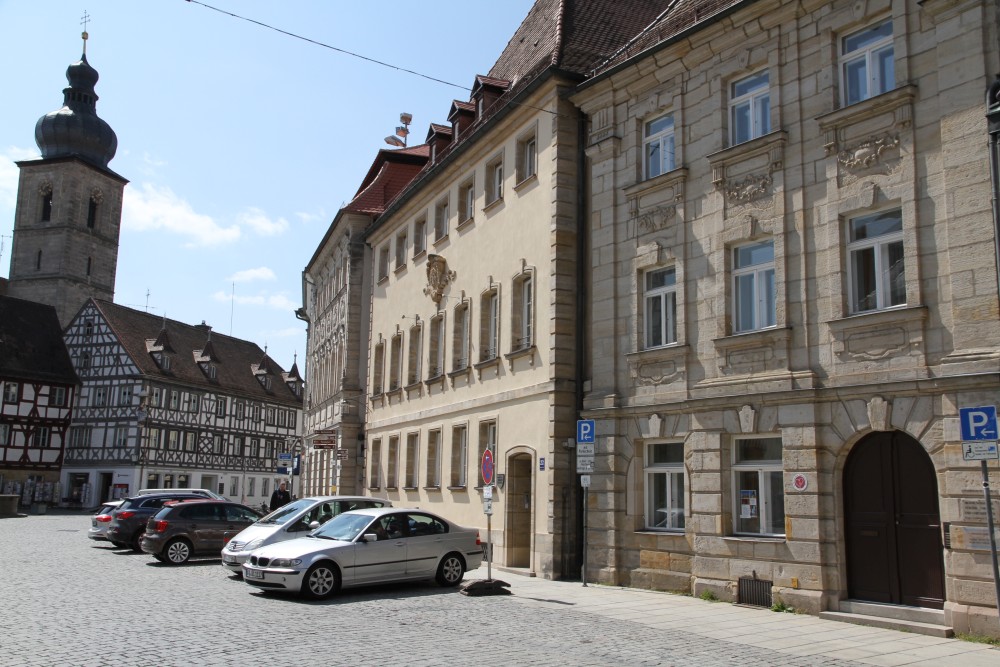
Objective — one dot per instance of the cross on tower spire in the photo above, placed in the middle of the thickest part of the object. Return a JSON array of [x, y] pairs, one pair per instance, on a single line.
[[84, 20]]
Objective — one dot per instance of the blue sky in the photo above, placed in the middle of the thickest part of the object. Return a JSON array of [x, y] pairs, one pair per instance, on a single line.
[[240, 143]]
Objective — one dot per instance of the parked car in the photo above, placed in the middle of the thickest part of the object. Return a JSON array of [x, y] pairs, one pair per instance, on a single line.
[[190, 528], [128, 522], [290, 521], [367, 547], [101, 519], [198, 492]]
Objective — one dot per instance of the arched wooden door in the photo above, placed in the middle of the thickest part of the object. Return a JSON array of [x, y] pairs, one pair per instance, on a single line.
[[894, 550], [519, 503]]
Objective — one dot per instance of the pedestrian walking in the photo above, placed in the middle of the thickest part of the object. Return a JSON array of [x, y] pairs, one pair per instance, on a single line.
[[280, 497]]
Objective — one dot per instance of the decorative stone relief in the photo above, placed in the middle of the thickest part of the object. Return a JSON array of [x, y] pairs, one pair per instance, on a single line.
[[867, 153], [654, 219], [748, 419], [96, 196], [879, 413], [438, 277], [859, 9], [653, 428], [655, 373], [750, 189]]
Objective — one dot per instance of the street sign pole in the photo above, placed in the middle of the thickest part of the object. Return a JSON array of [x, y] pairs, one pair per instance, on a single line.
[[979, 442], [586, 445], [586, 501], [993, 537]]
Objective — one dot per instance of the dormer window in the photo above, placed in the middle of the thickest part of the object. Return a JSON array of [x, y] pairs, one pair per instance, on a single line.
[[162, 360], [211, 371]]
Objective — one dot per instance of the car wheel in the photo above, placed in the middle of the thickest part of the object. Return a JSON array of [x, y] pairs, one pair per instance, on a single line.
[[137, 541], [451, 570], [321, 581], [177, 552]]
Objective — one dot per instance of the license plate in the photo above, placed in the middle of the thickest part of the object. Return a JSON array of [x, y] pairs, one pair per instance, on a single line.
[[253, 574]]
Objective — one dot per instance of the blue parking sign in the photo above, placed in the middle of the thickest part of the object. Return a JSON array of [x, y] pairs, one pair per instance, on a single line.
[[585, 430], [978, 423]]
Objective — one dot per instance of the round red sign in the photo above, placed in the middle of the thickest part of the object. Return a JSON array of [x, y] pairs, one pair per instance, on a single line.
[[800, 482], [487, 468]]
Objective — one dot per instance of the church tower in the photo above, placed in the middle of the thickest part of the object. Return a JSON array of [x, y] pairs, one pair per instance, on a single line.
[[69, 204]]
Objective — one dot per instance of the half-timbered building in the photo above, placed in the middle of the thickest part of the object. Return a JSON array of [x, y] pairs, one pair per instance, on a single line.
[[37, 387], [168, 404]]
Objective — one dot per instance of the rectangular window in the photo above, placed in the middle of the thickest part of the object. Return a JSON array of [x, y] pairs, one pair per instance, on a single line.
[[57, 397], [41, 437], [877, 275], [217, 444], [156, 398], [250, 486], [377, 368], [489, 326], [419, 237], [494, 180], [5, 435], [866, 63], [459, 456], [759, 494], [175, 400], [10, 391], [383, 263], [665, 486], [660, 307], [754, 291], [412, 456], [487, 440], [220, 406], [527, 158], [401, 249], [750, 108], [441, 220], [522, 326], [413, 355], [121, 436], [658, 145], [467, 201], [460, 346], [173, 440], [125, 395], [189, 437], [100, 396], [195, 403], [393, 467], [374, 476], [436, 347], [395, 362], [433, 476]]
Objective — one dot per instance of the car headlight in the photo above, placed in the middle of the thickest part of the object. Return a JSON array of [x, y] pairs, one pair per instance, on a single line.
[[286, 562], [250, 546]]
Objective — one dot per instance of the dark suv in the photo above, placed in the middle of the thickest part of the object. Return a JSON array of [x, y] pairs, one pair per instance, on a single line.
[[128, 522], [194, 528]]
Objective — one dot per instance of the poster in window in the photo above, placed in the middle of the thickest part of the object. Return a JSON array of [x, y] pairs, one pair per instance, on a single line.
[[748, 504]]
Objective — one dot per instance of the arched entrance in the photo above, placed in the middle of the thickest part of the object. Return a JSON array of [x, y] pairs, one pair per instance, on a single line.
[[517, 535], [893, 526]]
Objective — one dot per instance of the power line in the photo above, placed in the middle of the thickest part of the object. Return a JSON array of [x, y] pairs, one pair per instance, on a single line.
[[327, 46]]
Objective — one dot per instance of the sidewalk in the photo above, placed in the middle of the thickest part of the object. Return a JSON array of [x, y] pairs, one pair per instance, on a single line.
[[796, 635]]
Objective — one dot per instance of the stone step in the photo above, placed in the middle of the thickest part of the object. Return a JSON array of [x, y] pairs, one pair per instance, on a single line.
[[916, 614], [930, 629]]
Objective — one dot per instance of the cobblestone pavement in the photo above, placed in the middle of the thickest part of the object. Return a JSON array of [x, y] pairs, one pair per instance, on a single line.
[[71, 601]]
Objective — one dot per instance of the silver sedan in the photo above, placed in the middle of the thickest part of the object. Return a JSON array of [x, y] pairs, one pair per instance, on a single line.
[[367, 546]]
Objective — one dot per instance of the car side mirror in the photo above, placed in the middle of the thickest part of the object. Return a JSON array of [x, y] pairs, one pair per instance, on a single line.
[[370, 537], [314, 525]]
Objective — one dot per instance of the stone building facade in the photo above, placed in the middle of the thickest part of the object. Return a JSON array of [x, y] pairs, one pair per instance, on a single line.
[[793, 291]]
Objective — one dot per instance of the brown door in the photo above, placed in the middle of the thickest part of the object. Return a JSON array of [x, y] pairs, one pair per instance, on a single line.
[[894, 551], [518, 499]]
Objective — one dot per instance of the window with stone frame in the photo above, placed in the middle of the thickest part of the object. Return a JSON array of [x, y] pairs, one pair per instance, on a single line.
[[433, 461], [459, 456], [527, 156], [392, 465], [658, 146], [749, 108], [396, 361], [494, 180], [489, 324], [413, 355], [383, 262], [867, 63], [419, 236], [401, 249], [441, 214], [487, 440], [754, 287], [876, 264], [435, 352], [412, 460], [378, 367], [522, 325], [758, 487], [660, 306], [461, 335], [467, 202], [664, 470], [375, 465]]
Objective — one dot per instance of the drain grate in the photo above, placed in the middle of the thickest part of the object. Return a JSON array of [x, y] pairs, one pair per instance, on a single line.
[[754, 592]]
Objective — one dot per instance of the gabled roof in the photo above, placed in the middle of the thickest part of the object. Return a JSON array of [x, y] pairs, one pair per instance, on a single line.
[[236, 360], [31, 344]]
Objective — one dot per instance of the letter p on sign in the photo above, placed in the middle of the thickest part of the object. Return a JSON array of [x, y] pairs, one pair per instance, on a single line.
[[978, 423], [585, 430]]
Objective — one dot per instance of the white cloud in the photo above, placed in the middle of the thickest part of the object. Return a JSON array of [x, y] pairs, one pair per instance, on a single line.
[[150, 207], [152, 161], [248, 275], [255, 219], [276, 301]]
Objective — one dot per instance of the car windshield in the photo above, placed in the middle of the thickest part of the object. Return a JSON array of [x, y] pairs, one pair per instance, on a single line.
[[286, 512], [344, 527]]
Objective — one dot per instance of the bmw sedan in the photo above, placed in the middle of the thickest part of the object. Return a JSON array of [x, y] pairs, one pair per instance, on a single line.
[[369, 546]]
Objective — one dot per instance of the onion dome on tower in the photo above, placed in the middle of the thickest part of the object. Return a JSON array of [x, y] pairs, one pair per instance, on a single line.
[[75, 129]]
